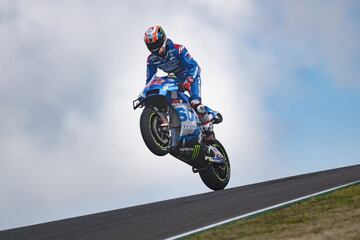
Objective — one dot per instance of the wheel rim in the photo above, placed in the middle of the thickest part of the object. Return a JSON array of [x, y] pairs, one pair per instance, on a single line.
[[158, 135], [221, 172]]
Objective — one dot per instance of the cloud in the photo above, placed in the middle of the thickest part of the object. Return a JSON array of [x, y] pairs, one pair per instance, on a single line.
[[325, 38]]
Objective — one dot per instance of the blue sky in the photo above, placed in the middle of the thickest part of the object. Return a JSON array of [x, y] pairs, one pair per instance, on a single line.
[[284, 75], [318, 121]]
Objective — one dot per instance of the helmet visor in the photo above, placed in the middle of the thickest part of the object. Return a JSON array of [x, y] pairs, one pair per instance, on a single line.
[[154, 47]]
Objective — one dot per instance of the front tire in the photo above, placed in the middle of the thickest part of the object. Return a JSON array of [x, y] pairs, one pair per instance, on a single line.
[[152, 135], [216, 177]]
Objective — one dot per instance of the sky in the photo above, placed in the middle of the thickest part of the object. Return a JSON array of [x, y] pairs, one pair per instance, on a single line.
[[284, 75]]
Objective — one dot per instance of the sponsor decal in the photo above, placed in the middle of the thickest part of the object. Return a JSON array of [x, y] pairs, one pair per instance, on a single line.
[[196, 151], [176, 101], [186, 149], [169, 66], [179, 47], [199, 87], [155, 81], [196, 72], [189, 126]]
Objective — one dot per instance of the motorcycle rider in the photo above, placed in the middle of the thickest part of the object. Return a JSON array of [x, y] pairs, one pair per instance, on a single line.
[[175, 59]]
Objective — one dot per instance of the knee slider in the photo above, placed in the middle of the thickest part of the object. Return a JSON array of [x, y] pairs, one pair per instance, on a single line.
[[200, 109]]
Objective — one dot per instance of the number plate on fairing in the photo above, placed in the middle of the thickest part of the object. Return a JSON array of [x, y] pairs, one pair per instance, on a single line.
[[187, 118]]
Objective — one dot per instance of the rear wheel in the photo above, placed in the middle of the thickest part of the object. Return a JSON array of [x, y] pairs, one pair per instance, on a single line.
[[155, 137], [216, 176]]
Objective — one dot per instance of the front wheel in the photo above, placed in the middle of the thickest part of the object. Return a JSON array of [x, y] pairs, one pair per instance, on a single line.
[[216, 177], [155, 138]]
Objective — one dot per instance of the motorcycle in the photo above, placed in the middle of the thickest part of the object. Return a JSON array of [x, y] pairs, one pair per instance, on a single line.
[[168, 124]]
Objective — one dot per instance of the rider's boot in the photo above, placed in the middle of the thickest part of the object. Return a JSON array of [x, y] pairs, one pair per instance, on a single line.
[[218, 118], [209, 132], [206, 122]]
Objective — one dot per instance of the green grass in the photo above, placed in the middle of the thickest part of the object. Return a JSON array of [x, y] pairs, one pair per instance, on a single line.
[[335, 215]]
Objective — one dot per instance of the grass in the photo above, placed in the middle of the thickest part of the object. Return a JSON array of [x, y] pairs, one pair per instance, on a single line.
[[335, 215]]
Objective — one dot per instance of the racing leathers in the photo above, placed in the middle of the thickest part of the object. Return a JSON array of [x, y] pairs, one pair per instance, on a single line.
[[179, 62]]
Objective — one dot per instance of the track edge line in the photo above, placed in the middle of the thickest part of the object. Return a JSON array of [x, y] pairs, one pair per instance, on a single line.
[[260, 211]]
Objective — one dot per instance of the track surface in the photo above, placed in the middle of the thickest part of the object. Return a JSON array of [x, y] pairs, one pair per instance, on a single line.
[[168, 218]]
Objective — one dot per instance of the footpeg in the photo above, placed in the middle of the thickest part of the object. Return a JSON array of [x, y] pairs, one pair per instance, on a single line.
[[196, 170], [215, 160]]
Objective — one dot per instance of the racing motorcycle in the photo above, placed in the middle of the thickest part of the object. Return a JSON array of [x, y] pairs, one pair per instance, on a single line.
[[168, 124]]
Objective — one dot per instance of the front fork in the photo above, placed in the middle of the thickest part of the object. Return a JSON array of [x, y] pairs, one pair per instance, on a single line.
[[168, 125]]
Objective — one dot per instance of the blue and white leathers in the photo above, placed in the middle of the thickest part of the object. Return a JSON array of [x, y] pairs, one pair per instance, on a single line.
[[179, 62]]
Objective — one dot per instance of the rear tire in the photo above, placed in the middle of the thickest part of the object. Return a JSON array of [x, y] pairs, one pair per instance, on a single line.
[[217, 177], [151, 134]]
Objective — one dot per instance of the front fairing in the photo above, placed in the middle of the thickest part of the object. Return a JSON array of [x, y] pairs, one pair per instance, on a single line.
[[160, 86], [157, 87]]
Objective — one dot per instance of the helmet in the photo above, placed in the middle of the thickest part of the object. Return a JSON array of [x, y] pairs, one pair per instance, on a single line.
[[155, 40]]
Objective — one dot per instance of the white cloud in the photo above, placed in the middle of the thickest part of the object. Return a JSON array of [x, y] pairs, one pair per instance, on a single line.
[[318, 34]]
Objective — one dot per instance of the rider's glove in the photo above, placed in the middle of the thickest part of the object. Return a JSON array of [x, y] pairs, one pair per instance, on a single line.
[[187, 84]]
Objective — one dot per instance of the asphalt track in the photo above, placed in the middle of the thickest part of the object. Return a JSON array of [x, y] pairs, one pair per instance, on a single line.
[[168, 218]]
